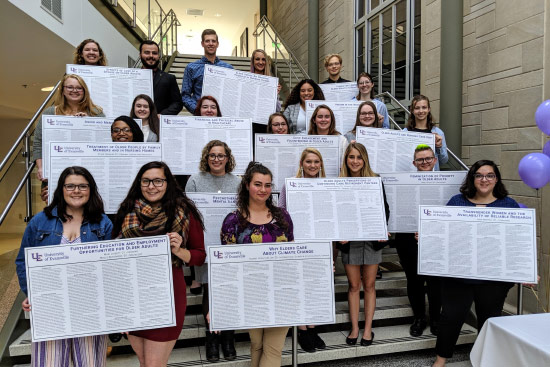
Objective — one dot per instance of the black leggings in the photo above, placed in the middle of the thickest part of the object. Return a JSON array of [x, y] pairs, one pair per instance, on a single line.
[[457, 297]]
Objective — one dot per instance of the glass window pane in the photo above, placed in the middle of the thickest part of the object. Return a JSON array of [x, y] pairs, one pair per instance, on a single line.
[[417, 44], [386, 57], [400, 80], [374, 32], [360, 8], [416, 78], [417, 12], [401, 17], [387, 24], [374, 4], [374, 61], [400, 51], [361, 48]]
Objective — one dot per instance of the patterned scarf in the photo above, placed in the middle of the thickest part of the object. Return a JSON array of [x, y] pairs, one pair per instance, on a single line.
[[145, 221]]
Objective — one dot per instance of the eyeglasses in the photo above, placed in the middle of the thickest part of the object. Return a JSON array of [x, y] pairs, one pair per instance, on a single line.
[[158, 182], [70, 88], [279, 125], [219, 157], [125, 130], [81, 187], [488, 177], [422, 160], [366, 114]]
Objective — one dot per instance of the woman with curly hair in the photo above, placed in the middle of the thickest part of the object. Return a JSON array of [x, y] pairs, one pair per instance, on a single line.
[[89, 52], [156, 205], [258, 220], [295, 104]]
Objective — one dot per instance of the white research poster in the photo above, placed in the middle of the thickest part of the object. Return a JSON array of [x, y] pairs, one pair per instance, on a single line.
[[478, 243], [74, 129], [184, 137], [114, 166], [337, 209], [405, 191], [100, 287], [114, 88], [392, 150], [240, 93], [340, 92], [281, 154], [345, 113], [263, 285]]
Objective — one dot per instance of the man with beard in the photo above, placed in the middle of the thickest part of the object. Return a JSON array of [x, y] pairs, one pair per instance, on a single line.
[[165, 87], [191, 89]]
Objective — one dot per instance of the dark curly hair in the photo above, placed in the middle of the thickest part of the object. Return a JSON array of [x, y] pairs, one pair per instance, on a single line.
[[294, 96], [468, 187], [79, 60], [93, 209], [243, 197], [173, 199], [203, 165]]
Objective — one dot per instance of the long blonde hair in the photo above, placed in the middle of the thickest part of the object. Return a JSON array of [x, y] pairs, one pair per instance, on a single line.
[[366, 171], [267, 69], [306, 151], [85, 105]]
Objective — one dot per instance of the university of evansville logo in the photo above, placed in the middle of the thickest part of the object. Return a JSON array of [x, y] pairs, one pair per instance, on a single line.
[[36, 256], [58, 148], [210, 70], [49, 121], [73, 69], [293, 184], [428, 212], [261, 139], [218, 254]]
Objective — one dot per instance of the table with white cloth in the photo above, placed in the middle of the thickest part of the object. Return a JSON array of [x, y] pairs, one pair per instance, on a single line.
[[513, 341]]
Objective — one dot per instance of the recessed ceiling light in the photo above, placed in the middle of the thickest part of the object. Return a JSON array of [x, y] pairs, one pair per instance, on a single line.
[[195, 12], [217, 15], [47, 89]]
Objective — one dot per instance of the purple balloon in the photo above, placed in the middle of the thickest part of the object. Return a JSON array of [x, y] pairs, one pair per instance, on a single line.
[[542, 117], [521, 205], [546, 148], [534, 170]]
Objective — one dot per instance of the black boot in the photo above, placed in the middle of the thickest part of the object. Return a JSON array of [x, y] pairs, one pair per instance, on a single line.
[[317, 341], [212, 346], [228, 345], [305, 341]]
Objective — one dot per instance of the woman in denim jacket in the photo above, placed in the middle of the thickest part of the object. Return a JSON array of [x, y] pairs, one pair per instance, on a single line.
[[75, 215]]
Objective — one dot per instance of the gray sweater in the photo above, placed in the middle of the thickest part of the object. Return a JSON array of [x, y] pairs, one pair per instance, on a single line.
[[37, 142], [206, 182]]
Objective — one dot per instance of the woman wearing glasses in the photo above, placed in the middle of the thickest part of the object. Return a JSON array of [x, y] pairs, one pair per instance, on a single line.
[[71, 99], [74, 216], [366, 93], [215, 176], [367, 116], [277, 124], [125, 130], [421, 120], [482, 187], [156, 205]]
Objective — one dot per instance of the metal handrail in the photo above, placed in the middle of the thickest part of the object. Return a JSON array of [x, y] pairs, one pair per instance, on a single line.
[[405, 109], [16, 192], [28, 127]]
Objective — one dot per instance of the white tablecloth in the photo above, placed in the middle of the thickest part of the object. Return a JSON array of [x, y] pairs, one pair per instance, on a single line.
[[514, 341]]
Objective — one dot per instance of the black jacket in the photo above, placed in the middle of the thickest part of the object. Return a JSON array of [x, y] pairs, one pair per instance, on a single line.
[[167, 93]]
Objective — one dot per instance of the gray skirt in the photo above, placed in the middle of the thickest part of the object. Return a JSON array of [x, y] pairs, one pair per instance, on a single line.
[[361, 253]]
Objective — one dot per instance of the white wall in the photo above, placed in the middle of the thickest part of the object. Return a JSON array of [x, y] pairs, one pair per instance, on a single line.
[[80, 21]]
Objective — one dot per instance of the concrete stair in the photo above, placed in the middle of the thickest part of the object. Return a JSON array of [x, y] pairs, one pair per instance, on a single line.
[[391, 327]]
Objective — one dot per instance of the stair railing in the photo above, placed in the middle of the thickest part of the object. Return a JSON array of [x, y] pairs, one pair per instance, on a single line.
[[266, 32]]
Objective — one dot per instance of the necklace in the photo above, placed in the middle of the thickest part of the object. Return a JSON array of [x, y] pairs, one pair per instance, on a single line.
[[219, 181]]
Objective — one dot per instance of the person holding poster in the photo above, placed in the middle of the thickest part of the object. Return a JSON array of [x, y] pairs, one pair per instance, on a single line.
[[367, 116], [322, 122], [421, 120], [333, 64], [260, 63], [482, 187], [89, 52], [295, 104], [191, 87], [156, 205], [407, 250], [71, 99], [75, 215], [277, 124], [360, 258], [258, 220], [144, 108], [125, 130], [207, 106], [216, 165], [366, 93]]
